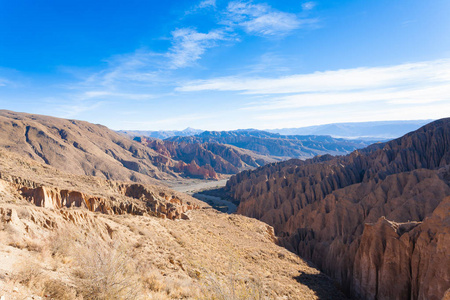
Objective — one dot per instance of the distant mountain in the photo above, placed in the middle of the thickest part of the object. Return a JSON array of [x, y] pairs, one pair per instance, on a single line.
[[381, 130], [276, 145], [224, 159], [162, 134]]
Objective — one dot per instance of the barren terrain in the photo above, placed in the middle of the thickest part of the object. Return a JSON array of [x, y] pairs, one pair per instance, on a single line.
[[59, 248]]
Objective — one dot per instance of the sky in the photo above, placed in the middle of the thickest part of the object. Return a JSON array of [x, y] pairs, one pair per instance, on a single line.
[[223, 65]]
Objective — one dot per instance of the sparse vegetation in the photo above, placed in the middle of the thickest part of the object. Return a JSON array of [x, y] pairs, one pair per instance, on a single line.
[[74, 254]]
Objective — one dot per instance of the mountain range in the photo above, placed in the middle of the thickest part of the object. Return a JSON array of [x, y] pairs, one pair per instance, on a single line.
[[374, 131], [276, 145], [162, 134], [379, 130]]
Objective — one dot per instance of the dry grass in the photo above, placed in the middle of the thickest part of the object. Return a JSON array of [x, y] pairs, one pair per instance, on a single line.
[[33, 276], [104, 272], [211, 256]]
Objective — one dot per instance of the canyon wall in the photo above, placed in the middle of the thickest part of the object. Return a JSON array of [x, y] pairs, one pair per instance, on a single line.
[[374, 220]]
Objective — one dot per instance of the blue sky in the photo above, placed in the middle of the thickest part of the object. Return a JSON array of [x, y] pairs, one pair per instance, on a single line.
[[220, 65]]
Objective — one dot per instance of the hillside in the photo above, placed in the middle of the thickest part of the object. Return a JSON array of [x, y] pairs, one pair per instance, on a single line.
[[66, 236], [376, 220], [83, 148], [271, 144]]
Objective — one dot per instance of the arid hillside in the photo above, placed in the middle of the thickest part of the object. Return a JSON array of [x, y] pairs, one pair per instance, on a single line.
[[83, 148], [80, 148], [376, 220], [66, 236]]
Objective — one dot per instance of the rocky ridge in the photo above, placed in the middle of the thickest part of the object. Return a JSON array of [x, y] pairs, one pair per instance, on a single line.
[[322, 209], [47, 187], [83, 148], [276, 145], [211, 158]]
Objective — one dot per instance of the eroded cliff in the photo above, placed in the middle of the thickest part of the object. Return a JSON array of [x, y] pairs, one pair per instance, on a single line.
[[320, 207]]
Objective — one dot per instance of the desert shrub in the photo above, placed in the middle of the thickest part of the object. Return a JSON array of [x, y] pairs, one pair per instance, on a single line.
[[232, 289], [232, 286], [105, 272], [56, 289], [28, 273], [63, 241], [153, 281], [32, 275]]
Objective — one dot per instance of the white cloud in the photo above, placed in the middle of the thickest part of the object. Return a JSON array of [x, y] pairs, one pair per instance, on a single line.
[[411, 74], [140, 67], [412, 86], [308, 5], [114, 95], [189, 45], [73, 110], [5, 82], [207, 3], [260, 19]]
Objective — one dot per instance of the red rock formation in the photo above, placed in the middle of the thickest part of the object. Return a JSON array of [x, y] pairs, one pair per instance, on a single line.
[[198, 159], [319, 209], [195, 171]]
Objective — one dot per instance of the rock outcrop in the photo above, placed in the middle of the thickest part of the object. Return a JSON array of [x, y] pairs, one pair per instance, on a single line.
[[412, 255], [374, 220], [50, 188]]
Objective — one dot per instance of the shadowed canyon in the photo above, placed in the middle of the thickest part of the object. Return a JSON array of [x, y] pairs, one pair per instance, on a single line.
[[376, 220]]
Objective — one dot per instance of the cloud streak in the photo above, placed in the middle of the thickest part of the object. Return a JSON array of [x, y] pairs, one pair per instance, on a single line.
[[308, 5], [340, 80], [260, 19], [188, 45], [421, 82], [207, 3]]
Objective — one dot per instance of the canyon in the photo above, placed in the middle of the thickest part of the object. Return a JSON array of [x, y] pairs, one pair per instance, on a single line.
[[376, 220]]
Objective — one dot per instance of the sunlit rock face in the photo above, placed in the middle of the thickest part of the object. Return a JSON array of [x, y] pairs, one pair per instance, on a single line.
[[375, 220]]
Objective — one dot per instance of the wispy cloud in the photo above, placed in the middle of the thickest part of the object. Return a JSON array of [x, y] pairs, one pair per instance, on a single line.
[[114, 95], [207, 3], [421, 82], [260, 19], [308, 5], [146, 74], [77, 108], [188, 45]]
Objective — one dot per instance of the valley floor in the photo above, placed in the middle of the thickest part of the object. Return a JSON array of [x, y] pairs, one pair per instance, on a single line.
[[191, 186]]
